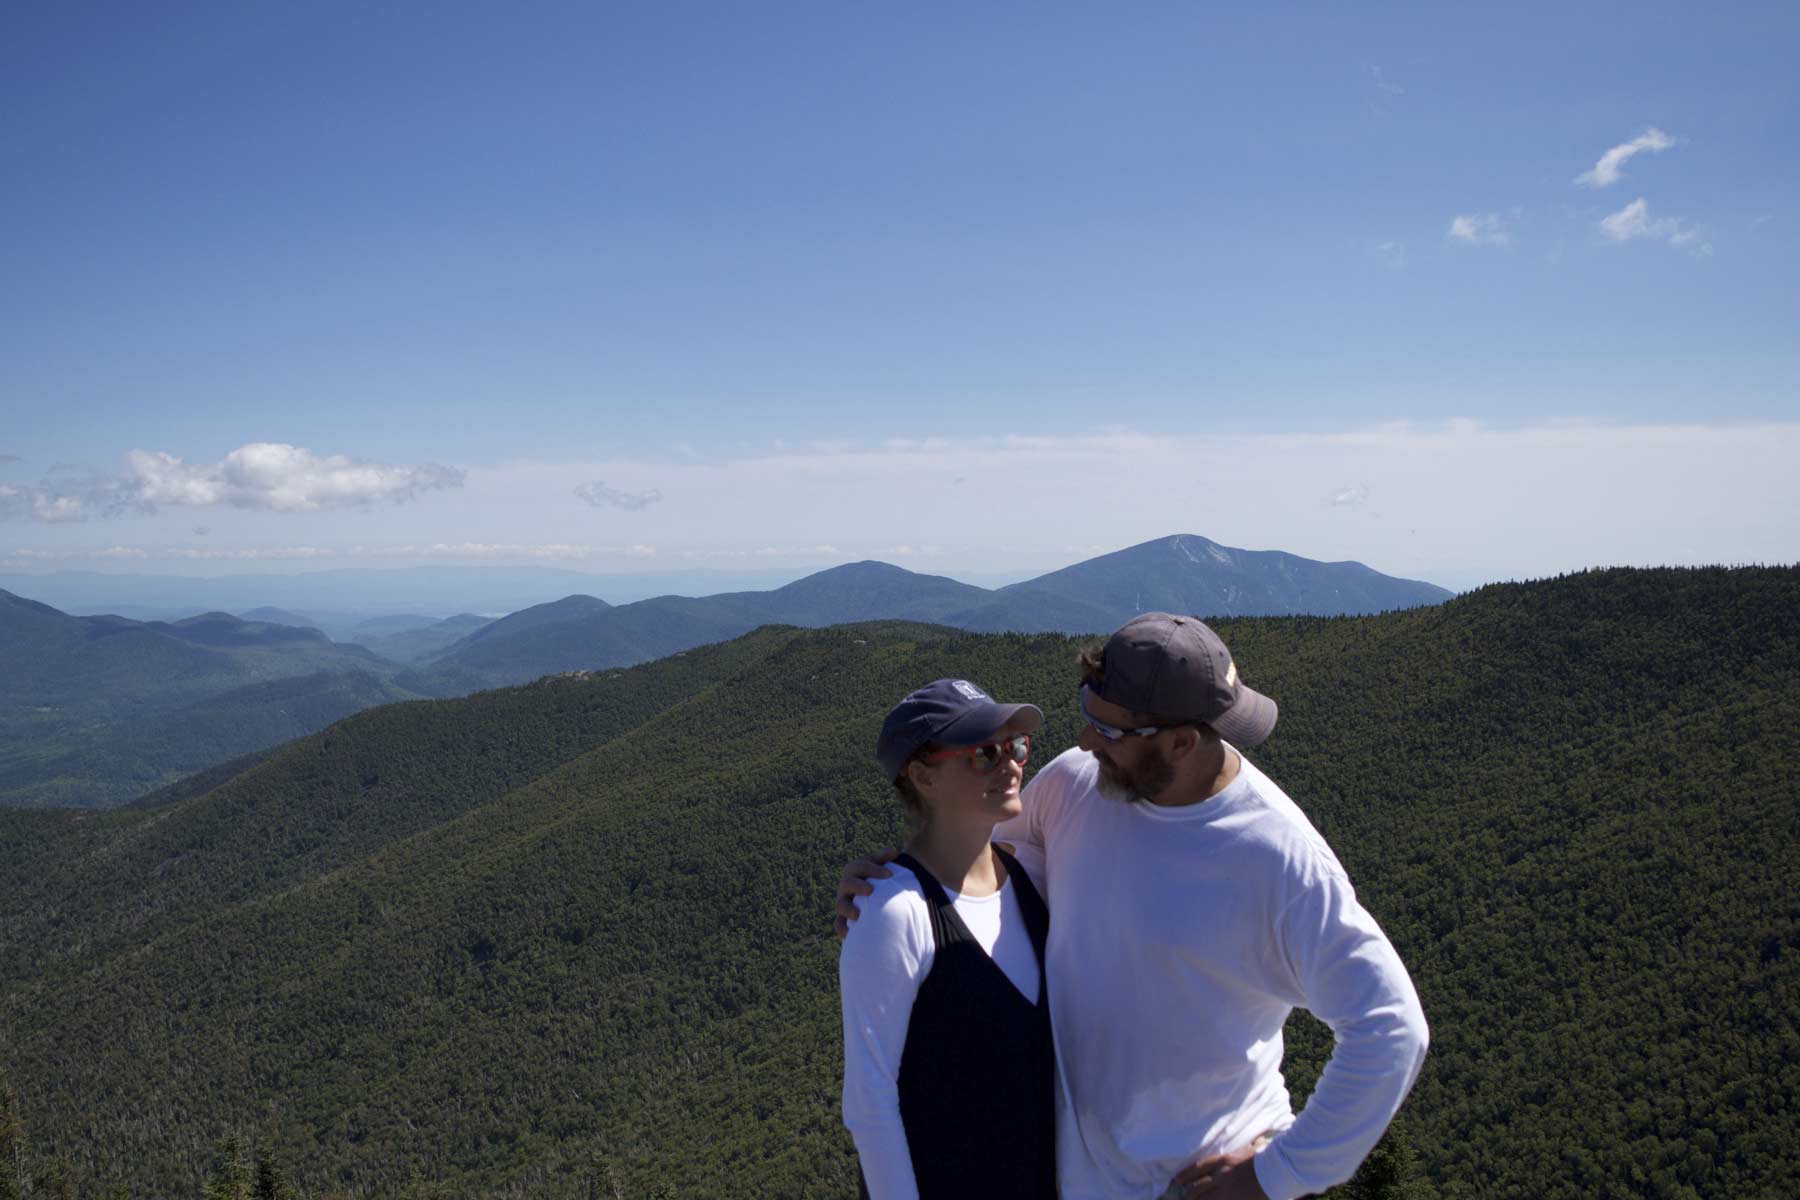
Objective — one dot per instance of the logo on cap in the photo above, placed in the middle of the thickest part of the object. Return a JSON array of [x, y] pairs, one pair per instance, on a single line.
[[968, 690], [1231, 675]]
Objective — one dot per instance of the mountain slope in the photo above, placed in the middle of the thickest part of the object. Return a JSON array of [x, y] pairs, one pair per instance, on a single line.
[[278, 616], [425, 641], [74, 690], [611, 949], [864, 591], [1189, 574], [128, 758]]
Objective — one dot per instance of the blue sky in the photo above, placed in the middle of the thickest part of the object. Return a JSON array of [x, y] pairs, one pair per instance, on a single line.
[[963, 287]]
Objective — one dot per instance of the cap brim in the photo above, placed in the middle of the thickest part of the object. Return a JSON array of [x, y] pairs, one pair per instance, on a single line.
[[1249, 722], [979, 724]]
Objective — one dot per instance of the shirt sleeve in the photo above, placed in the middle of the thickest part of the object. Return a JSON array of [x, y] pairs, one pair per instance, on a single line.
[[1347, 974], [886, 954]]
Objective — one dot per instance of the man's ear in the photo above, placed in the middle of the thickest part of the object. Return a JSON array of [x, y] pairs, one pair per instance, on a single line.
[[1182, 742]]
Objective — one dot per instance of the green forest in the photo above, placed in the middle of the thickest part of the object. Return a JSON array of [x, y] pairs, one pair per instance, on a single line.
[[572, 938]]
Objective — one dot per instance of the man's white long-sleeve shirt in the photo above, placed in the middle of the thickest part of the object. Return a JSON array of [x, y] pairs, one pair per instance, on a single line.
[[1180, 940]]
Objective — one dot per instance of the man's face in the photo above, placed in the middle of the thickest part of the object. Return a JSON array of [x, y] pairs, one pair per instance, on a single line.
[[1130, 767]]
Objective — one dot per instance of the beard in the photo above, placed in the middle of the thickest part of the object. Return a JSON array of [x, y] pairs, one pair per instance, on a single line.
[[1123, 784]]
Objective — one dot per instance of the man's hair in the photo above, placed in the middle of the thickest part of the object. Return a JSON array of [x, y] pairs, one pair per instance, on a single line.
[[1092, 661]]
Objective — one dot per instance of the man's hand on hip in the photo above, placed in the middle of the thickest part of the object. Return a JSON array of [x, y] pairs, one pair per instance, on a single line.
[[1222, 1177]]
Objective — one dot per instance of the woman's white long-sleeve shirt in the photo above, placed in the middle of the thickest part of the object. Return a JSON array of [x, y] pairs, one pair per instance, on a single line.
[[887, 954]]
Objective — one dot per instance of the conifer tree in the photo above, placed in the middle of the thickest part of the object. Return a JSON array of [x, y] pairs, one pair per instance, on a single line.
[[1391, 1172], [12, 1144], [231, 1172], [271, 1183], [52, 1180]]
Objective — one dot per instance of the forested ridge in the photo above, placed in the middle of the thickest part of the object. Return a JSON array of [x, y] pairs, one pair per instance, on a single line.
[[572, 938]]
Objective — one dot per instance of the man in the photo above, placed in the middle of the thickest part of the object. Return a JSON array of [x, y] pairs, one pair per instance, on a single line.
[[1193, 906]]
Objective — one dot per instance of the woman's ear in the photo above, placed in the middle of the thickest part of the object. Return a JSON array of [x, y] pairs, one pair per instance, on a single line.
[[921, 775]]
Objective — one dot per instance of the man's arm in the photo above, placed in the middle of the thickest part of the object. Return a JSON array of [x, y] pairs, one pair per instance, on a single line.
[[1348, 975]]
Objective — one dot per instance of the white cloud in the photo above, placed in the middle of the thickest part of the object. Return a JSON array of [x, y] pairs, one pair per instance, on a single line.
[[107, 553], [1345, 497], [1634, 221], [39, 503], [1381, 82], [276, 477], [1479, 229], [599, 495], [1605, 173], [258, 476], [487, 551], [250, 553]]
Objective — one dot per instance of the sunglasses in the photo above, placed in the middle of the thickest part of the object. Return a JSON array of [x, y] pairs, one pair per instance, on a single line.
[[1113, 733], [988, 755]]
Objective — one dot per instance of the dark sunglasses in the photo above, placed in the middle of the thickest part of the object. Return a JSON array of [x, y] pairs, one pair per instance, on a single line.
[[988, 755]]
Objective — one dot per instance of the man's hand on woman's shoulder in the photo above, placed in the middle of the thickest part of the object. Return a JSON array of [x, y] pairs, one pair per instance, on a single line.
[[855, 882]]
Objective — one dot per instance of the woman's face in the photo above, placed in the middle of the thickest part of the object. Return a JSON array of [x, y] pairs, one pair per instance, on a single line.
[[959, 790]]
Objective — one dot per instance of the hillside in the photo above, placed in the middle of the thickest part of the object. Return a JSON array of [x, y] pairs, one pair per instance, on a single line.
[[573, 936], [127, 758], [421, 642], [94, 710]]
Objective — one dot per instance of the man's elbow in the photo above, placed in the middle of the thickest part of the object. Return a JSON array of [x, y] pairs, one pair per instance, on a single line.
[[1415, 1034]]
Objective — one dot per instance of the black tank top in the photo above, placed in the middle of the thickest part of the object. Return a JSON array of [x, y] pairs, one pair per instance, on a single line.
[[978, 1074]]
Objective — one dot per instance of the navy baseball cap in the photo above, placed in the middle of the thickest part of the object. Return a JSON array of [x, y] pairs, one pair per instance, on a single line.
[[949, 712]]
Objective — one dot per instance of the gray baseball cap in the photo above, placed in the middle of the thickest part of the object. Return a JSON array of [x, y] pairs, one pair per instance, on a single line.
[[1176, 668]]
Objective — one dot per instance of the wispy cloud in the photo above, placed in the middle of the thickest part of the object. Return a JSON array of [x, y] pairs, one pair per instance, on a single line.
[[251, 553], [1382, 83], [1392, 254], [7, 460], [1634, 222], [1479, 229], [1605, 173], [601, 496], [1345, 497], [258, 476], [109, 553]]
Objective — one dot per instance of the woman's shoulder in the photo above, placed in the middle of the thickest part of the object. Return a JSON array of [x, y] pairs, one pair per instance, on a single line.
[[895, 910]]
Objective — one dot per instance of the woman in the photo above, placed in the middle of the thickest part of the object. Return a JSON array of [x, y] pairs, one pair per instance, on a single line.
[[949, 1071]]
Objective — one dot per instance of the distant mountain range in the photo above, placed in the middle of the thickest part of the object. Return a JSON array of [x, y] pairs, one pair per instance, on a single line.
[[346, 595], [97, 709], [1183, 573]]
